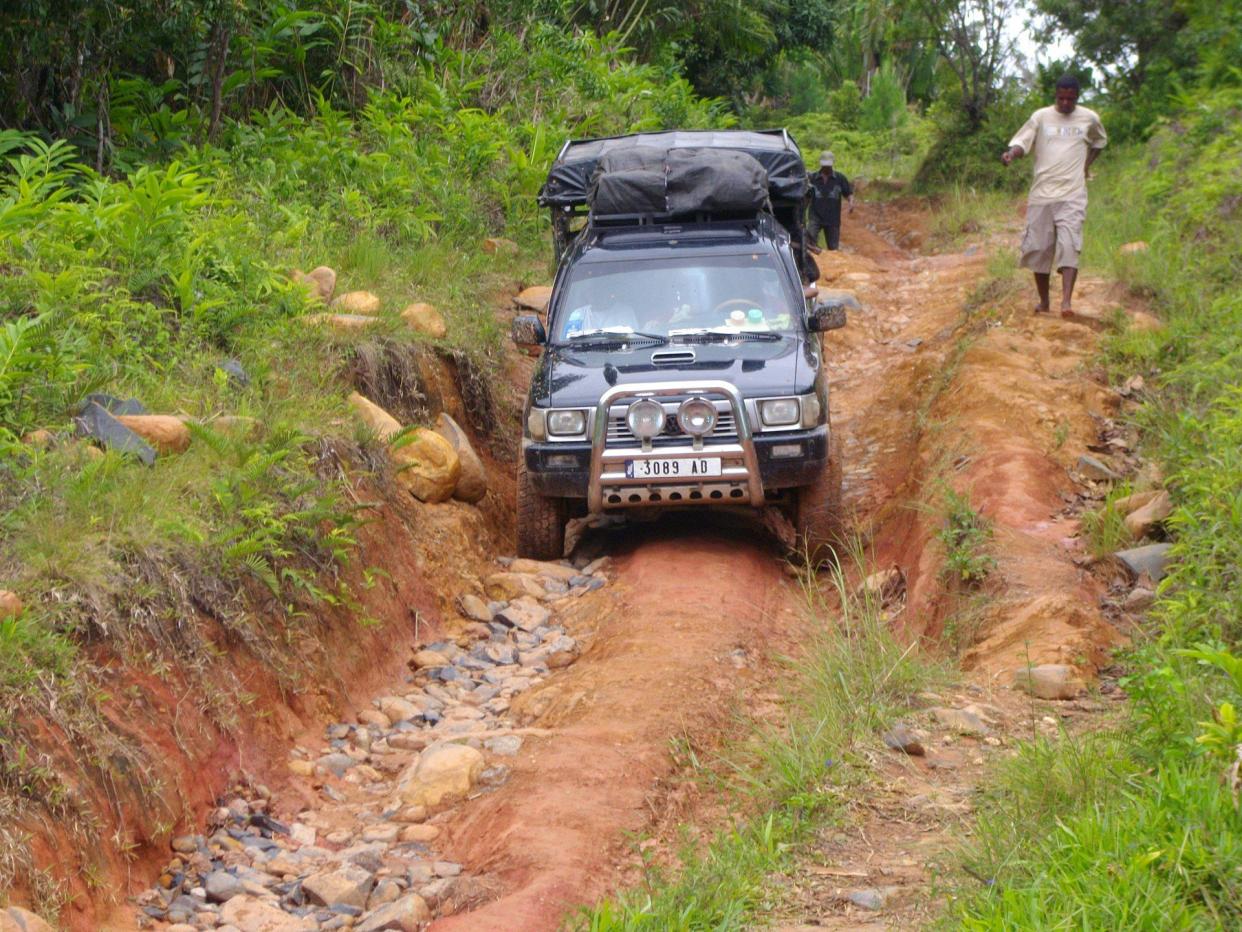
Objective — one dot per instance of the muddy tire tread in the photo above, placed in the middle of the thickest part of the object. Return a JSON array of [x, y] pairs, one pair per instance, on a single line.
[[540, 521], [820, 523]]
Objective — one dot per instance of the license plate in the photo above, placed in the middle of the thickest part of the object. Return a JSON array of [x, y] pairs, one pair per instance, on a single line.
[[695, 468]]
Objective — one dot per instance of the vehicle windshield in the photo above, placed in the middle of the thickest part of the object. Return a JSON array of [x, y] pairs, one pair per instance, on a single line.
[[675, 297]]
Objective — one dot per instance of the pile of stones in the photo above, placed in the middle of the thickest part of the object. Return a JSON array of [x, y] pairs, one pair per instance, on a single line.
[[362, 857]]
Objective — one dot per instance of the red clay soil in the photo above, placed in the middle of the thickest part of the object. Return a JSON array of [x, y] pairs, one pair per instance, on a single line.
[[660, 664]]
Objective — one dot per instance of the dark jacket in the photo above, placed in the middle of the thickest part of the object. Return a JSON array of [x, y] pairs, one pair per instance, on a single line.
[[826, 196]]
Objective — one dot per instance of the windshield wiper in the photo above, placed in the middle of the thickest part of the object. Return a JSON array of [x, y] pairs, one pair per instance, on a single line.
[[605, 337], [724, 334]]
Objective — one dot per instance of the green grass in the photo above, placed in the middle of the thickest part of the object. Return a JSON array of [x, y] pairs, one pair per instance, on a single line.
[[1139, 827], [784, 782], [960, 213]]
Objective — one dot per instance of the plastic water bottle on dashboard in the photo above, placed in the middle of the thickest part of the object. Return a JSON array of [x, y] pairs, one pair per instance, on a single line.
[[576, 324]]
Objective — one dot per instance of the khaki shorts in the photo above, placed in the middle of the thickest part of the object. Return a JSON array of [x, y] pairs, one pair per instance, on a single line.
[[1053, 236]]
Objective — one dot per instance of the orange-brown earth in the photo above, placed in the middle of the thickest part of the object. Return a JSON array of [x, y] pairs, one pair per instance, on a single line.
[[993, 402]]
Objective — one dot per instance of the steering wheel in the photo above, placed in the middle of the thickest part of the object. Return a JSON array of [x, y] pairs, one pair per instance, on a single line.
[[742, 303]]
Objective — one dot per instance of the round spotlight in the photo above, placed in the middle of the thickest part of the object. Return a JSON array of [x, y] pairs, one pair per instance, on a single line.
[[645, 419], [697, 417]]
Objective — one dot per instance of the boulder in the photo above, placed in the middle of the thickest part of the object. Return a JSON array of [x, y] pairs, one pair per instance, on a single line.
[[10, 604], [1139, 599], [535, 298], [406, 915], [16, 919], [1133, 249], [512, 586], [245, 912], [398, 709], [494, 245], [1129, 503], [166, 433], [427, 465], [1151, 559], [374, 717], [429, 659], [347, 885], [1048, 681], [443, 772], [320, 282], [357, 302], [525, 613], [473, 607], [341, 321], [425, 319], [221, 886], [472, 483], [1140, 521]]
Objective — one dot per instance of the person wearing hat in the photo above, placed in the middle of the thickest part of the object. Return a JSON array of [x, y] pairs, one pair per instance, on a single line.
[[828, 187]]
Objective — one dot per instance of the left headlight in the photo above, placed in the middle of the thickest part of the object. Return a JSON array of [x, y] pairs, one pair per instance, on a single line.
[[780, 412], [566, 423]]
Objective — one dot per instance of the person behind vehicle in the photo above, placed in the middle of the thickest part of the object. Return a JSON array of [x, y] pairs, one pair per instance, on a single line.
[[828, 187], [1066, 139]]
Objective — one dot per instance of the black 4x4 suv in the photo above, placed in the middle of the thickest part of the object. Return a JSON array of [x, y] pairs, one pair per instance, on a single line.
[[679, 365]]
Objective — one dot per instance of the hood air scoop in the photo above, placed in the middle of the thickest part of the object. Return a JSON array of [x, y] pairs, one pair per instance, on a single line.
[[672, 357]]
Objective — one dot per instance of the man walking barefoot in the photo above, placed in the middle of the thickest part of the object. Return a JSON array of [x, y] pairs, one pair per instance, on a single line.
[[1066, 139]]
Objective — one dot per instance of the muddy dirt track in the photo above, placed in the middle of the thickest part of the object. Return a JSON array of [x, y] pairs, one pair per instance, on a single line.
[[933, 381]]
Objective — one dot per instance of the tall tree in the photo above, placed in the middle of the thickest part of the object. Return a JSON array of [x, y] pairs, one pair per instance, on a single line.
[[970, 35]]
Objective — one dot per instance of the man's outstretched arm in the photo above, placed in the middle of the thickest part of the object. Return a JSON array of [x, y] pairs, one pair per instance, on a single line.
[[1013, 152]]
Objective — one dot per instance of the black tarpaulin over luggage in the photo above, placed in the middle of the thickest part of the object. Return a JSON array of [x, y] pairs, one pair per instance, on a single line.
[[569, 181]]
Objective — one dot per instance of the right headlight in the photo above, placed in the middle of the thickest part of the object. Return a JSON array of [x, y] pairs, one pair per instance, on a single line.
[[567, 422]]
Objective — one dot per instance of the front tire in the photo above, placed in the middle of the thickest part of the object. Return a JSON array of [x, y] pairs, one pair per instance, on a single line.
[[540, 521], [818, 517]]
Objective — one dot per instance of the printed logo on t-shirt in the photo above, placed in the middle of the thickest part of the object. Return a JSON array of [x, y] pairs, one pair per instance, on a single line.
[[1053, 132]]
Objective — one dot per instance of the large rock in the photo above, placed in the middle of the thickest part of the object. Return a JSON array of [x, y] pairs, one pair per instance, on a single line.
[[10, 604], [1096, 469], [16, 919], [535, 298], [474, 607], [166, 433], [343, 322], [357, 302], [505, 586], [472, 483], [1131, 503], [1048, 681], [525, 613], [1151, 559], [427, 464], [245, 912], [347, 885], [425, 319], [443, 772], [1140, 521], [320, 282], [397, 709], [406, 915], [221, 886]]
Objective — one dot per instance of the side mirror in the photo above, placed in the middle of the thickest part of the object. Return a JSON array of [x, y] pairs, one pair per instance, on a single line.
[[826, 316], [527, 332]]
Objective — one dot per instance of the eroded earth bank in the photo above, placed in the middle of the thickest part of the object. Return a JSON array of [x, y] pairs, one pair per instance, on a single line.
[[505, 735]]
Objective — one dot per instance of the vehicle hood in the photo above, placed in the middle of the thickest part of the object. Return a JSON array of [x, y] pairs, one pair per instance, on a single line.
[[571, 377]]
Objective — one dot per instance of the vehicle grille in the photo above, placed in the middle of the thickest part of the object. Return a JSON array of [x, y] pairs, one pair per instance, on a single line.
[[619, 432]]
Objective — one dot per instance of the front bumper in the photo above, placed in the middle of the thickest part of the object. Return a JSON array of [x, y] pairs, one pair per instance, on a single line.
[[751, 463]]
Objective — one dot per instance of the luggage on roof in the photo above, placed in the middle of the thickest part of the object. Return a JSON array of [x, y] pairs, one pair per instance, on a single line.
[[694, 156]]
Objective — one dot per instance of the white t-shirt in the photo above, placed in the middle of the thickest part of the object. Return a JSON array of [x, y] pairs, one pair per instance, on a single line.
[[1059, 142]]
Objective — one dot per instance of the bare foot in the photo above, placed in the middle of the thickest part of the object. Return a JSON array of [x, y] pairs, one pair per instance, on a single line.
[[1066, 311], [1042, 309]]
